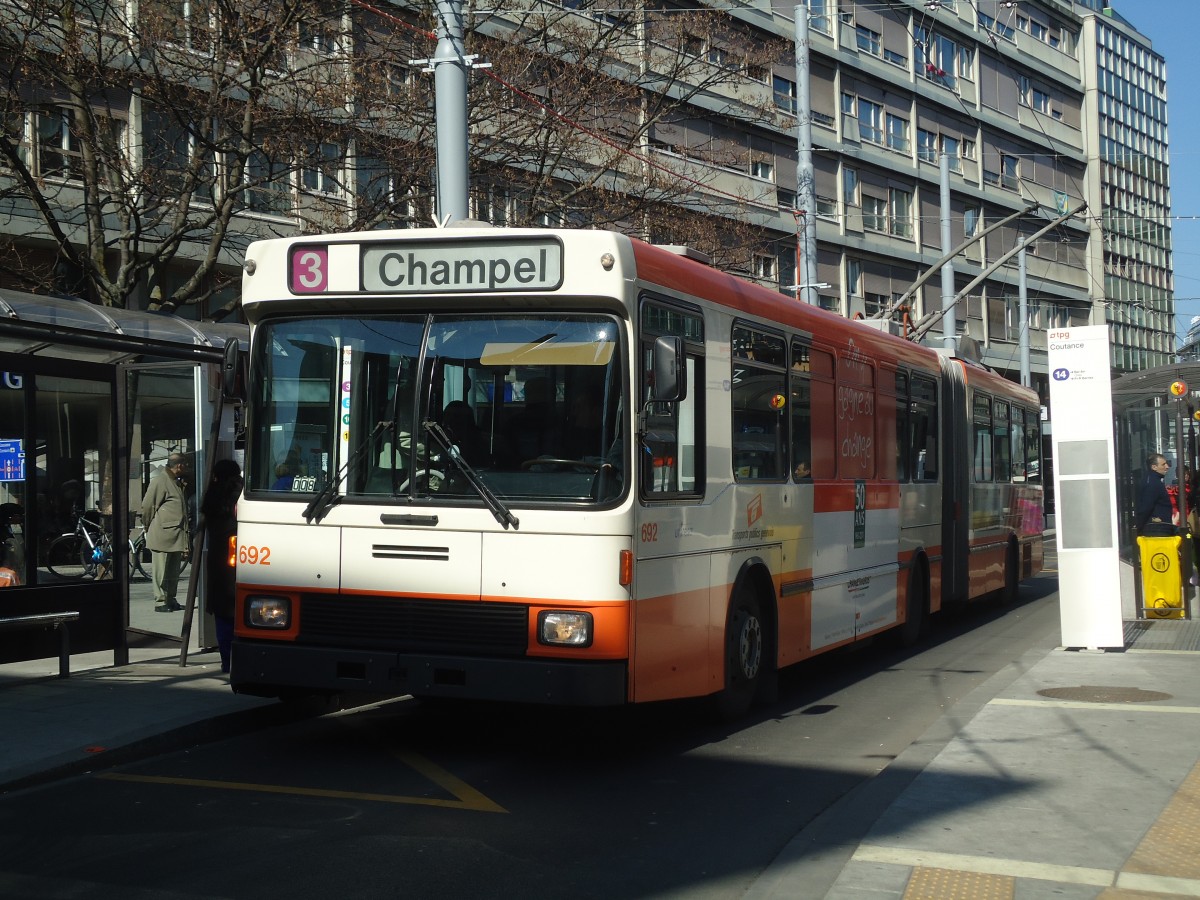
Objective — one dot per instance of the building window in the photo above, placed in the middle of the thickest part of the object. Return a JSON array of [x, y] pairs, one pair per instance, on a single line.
[[868, 40], [321, 174], [971, 217], [853, 276], [491, 205], [267, 189], [850, 187], [874, 213], [951, 149], [870, 121], [1009, 172], [900, 214], [57, 146], [764, 267], [785, 94], [927, 145], [760, 168], [996, 27], [938, 58], [897, 133], [818, 15], [785, 199], [320, 34]]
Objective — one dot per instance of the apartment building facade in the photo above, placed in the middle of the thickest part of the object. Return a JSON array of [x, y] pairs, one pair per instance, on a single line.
[[1041, 107]]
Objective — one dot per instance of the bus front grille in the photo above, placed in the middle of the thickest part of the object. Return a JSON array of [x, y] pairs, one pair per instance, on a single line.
[[415, 626]]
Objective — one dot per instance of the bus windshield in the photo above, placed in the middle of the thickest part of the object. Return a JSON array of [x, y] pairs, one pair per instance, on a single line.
[[532, 404]]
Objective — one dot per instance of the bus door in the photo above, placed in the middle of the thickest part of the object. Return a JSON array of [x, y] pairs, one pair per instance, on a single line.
[[956, 469]]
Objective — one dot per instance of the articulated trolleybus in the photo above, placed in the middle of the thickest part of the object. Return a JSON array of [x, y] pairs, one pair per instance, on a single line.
[[570, 467]]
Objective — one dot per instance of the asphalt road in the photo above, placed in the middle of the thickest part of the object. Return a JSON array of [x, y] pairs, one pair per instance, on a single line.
[[404, 800]]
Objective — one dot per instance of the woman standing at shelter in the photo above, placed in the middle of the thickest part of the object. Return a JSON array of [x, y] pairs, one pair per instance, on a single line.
[[219, 509]]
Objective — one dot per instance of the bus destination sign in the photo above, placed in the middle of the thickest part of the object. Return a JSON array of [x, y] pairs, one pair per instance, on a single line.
[[452, 266]]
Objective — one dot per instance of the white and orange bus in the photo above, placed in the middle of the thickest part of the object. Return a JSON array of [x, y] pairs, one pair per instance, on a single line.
[[570, 467]]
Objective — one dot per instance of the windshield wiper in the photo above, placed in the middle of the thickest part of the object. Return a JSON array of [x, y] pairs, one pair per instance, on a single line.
[[328, 497], [493, 503]]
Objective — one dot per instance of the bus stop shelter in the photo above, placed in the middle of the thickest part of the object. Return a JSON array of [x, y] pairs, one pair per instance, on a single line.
[[92, 401], [1148, 417]]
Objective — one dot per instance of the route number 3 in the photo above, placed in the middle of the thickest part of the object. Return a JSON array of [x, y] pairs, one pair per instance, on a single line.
[[308, 270]]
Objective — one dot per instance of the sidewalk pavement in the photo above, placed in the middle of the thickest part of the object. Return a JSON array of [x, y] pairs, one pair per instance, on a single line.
[[1070, 774]]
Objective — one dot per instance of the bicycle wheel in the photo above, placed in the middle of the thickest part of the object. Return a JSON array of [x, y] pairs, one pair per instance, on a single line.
[[68, 557], [136, 567]]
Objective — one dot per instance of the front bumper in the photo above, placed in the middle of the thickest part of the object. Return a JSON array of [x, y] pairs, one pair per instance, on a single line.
[[273, 668]]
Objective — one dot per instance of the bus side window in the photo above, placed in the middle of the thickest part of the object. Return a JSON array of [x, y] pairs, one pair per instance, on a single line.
[[903, 454], [1016, 443], [800, 412], [670, 453], [923, 433], [981, 438], [759, 426], [823, 437]]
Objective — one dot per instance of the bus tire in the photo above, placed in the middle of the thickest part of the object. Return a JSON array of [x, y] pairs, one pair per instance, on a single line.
[[745, 656], [916, 607]]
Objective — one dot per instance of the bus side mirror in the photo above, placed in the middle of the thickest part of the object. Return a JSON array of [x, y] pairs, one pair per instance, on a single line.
[[231, 371], [669, 369]]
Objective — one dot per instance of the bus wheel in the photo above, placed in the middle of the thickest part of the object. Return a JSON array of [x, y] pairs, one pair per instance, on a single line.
[[744, 651]]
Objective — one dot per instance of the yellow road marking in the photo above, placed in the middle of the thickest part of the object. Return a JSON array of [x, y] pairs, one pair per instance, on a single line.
[[467, 798]]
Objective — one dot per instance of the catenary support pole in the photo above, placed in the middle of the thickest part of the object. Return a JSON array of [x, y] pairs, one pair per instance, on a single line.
[[1023, 317], [806, 197], [450, 96], [949, 326]]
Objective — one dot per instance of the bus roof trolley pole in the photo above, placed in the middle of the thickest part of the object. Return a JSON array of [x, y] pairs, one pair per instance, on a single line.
[[929, 319]]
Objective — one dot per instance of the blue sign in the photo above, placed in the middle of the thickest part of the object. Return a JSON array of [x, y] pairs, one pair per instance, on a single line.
[[12, 460]]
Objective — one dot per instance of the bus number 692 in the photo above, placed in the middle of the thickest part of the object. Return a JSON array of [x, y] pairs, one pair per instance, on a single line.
[[254, 556]]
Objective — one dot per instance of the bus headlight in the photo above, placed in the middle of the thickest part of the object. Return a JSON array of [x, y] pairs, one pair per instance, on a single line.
[[565, 629], [268, 612]]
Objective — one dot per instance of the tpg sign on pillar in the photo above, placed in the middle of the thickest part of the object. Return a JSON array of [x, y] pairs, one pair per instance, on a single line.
[[1085, 487]]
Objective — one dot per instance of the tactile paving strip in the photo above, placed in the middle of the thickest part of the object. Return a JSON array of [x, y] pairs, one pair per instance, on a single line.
[[1172, 845], [949, 884]]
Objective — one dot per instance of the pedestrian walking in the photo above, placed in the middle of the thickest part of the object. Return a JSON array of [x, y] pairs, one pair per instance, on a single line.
[[219, 509], [164, 512]]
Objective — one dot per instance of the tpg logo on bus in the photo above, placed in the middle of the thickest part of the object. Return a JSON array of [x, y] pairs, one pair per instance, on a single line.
[[435, 266]]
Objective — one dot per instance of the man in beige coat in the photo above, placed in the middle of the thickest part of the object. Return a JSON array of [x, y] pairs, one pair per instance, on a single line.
[[165, 514]]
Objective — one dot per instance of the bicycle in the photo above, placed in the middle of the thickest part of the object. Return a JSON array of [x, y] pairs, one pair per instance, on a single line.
[[137, 552], [137, 547], [85, 552]]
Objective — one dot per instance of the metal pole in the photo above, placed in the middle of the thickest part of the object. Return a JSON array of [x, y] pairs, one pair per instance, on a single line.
[[806, 199], [450, 97], [1023, 315], [949, 326]]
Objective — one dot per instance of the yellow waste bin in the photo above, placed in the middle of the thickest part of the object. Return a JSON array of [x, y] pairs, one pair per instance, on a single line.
[[1162, 580]]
